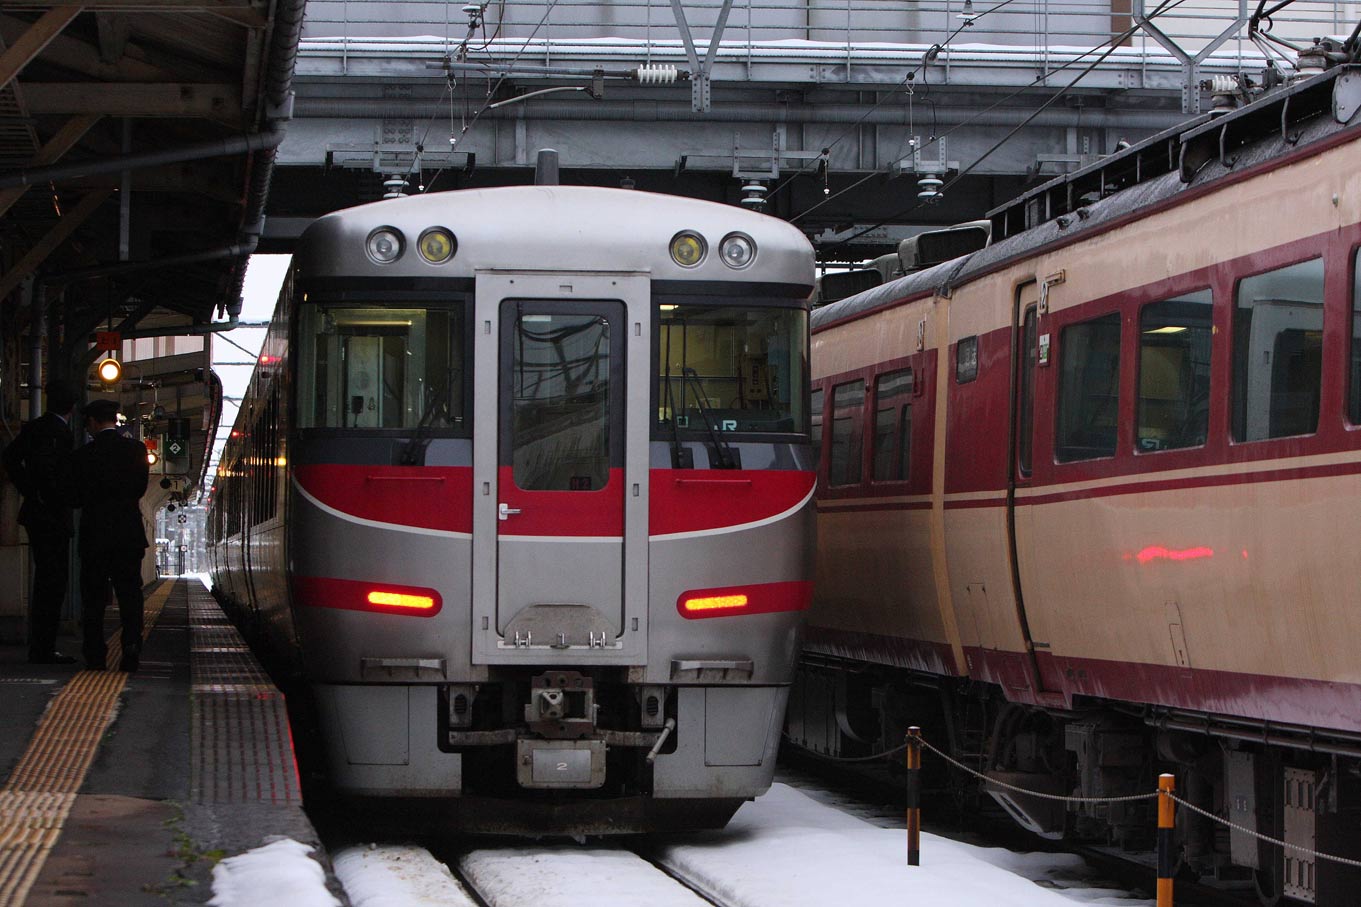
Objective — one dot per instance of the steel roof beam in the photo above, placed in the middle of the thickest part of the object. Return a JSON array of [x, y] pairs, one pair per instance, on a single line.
[[221, 103], [52, 240], [33, 40], [50, 153]]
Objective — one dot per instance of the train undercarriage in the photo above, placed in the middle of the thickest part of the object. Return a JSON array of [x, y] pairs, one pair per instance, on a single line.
[[1256, 781]]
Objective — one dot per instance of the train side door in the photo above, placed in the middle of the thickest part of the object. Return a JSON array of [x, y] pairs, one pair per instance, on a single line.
[[559, 546], [1030, 351]]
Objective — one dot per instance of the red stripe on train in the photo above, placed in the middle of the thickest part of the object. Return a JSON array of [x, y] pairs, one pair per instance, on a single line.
[[696, 500], [427, 497], [587, 513]]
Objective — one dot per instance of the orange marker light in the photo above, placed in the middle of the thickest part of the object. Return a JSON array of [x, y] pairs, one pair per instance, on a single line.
[[715, 602], [401, 600]]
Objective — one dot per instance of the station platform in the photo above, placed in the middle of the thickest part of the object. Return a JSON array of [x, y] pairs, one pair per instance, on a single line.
[[126, 789]]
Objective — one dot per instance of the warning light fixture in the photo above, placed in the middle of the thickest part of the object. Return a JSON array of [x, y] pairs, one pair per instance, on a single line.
[[737, 250], [437, 245], [716, 603], [688, 248], [384, 245], [153, 455], [401, 600], [109, 371]]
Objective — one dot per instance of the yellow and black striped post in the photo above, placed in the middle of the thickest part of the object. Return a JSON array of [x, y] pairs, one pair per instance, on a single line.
[[1166, 819], [914, 795]]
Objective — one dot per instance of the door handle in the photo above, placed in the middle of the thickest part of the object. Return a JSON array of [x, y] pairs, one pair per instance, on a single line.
[[505, 510]]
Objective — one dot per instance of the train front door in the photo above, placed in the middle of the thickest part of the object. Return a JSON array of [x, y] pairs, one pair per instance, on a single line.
[[554, 499]]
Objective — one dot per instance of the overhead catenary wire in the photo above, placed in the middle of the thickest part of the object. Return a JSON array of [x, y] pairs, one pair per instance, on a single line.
[[1110, 45], [927, 56], [491, 92]]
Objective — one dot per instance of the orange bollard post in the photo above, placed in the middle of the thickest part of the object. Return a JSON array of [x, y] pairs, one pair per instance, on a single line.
[[914, 793], [1166, 820]]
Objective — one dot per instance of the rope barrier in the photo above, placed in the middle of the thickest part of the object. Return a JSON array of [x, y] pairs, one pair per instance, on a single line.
[[1318, 855], [1034, 793], [919, 741], [816, 755]]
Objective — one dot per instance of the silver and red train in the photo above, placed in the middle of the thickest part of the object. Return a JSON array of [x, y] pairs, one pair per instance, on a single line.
[[1095, 487], [523, 484]]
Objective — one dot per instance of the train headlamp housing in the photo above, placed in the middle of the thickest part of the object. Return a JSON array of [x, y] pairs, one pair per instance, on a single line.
[[437, 245], [109, 371], [385, 245], [688, 249], [737, 250]]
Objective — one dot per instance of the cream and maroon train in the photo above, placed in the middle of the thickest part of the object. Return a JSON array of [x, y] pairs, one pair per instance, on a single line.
[[1099, 483], [523, 485]]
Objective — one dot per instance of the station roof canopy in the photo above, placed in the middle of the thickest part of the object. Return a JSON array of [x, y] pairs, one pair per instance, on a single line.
[[137, 144]]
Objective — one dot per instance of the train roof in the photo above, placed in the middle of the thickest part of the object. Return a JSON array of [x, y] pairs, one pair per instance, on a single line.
[[581, 228], [1187, 158]]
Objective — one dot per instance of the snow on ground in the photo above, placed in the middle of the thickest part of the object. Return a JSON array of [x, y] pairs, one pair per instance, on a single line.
[[570, 876], [398, 876], [279, 874], [786, 849]]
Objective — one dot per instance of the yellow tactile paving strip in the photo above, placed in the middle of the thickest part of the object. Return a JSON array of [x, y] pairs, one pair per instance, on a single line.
[[37, 797]]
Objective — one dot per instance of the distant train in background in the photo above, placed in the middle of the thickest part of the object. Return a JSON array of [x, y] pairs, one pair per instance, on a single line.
[[523, 485], [1090, 496]]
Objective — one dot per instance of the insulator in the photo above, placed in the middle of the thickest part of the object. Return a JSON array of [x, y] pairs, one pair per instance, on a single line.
[[394, 187], [754, 194], [656, 74], [1220, 84]]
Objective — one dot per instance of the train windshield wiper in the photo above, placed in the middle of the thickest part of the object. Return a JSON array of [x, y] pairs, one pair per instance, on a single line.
[[413, 452], [727, 458]]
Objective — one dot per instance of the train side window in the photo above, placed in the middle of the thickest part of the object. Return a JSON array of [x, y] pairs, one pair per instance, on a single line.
[[892, 426], [815, 424], [848, 403], [1089, 389], [1354, 370], [1278, 352], [966, 360], [381, 367], [1175, 337]]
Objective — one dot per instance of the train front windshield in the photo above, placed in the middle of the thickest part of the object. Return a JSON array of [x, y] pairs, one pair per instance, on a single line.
[[732, 368], [372, 367]]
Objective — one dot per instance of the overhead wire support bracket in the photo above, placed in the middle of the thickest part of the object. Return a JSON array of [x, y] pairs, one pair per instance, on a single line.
[[701, 72]]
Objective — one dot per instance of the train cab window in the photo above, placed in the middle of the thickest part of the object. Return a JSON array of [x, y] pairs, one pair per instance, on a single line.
[[380, 367], [731, 368], [1354, 369], [1174, 372], [892, 426], [560, 402], [848, 403], [1089, 389], [1278, 352], [815, 424]]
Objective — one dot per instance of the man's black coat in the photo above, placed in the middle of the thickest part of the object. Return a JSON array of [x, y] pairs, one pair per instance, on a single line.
[[111, 475], [39, 463]]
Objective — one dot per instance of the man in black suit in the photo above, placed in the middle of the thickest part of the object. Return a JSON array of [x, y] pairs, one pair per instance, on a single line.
[[111, 475], [39, 464]]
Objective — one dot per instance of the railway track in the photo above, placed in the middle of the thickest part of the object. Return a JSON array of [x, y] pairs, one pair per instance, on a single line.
[[547, 875]]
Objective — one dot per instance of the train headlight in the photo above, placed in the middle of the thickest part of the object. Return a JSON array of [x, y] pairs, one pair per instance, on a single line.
[[737, 250], [688, 248], [437, 245], [384, 245]]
